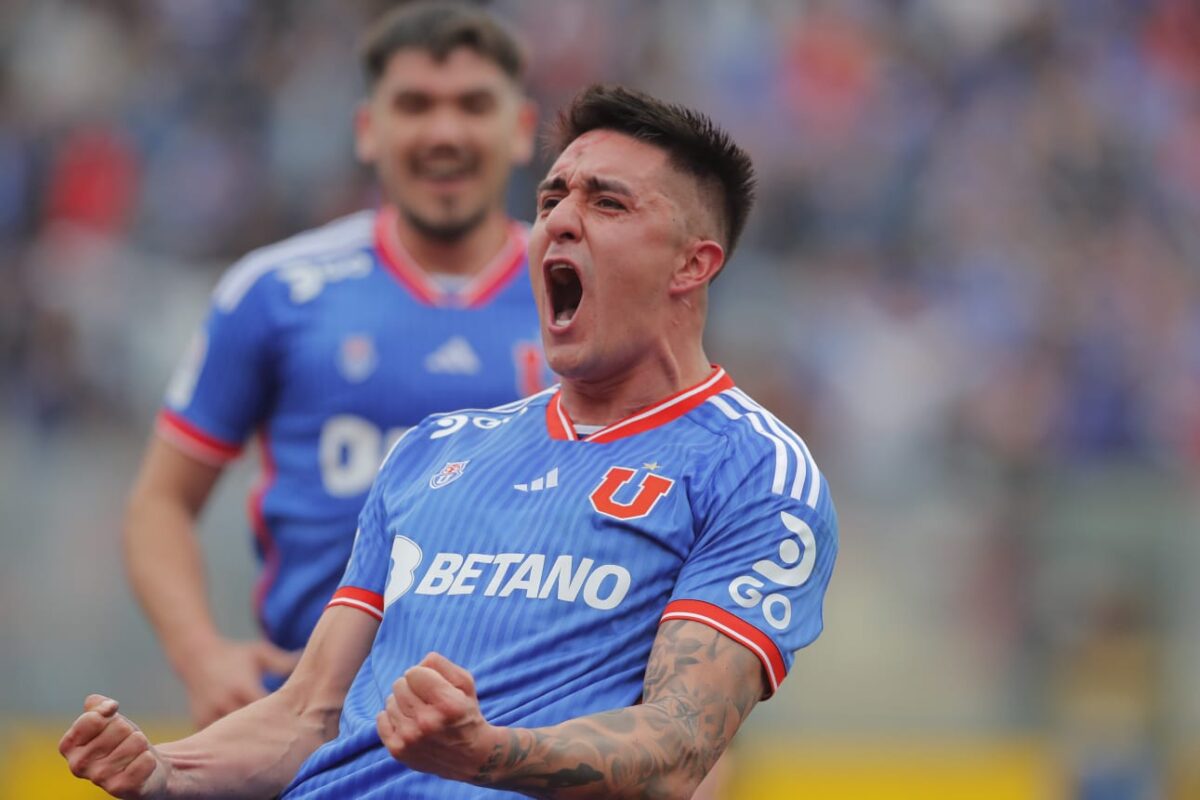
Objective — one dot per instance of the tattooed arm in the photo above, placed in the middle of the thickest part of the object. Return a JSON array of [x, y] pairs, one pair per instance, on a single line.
[[699, 687]]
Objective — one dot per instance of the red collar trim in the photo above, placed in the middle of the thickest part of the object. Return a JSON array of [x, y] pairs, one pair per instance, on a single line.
[[503, 269], [560, 427], [498, 273]]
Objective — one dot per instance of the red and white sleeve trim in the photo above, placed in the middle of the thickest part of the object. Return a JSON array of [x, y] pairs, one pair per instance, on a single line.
[[735, 628], [368, 602], [193, 441]]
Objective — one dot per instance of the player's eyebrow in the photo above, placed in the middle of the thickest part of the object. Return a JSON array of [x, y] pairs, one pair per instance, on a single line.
[[607, 186], [483, 91], [593, 185], [556, 184]]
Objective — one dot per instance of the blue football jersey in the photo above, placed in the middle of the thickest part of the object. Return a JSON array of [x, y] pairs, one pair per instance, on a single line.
[[327, 346], [543, 562]]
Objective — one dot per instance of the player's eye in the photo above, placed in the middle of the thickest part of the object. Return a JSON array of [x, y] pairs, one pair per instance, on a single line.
[[411, 102], [477, 102], [610, 203], [547, 202]]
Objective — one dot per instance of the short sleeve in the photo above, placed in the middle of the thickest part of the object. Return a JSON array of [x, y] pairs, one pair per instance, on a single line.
[[381, 566], [221, 388], [763, 557]]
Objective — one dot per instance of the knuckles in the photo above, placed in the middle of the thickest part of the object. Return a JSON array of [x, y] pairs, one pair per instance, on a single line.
[[78, 763], [93, 700], [430, 724]]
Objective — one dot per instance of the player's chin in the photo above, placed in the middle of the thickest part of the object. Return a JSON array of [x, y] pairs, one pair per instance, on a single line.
[[569, 359], [446, 223], [562, 359]]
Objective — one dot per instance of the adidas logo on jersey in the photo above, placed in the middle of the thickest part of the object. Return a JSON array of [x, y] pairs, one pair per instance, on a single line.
[[454, 357], [547, 481]]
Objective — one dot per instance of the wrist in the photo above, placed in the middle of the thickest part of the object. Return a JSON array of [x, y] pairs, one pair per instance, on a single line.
[[186, 652], [498, 753]]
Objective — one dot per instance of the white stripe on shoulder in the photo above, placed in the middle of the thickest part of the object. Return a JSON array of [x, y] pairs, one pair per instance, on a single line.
[[807, 467], [726, 409], [781, 461], [779, 482], [346, 233], [778, 429]]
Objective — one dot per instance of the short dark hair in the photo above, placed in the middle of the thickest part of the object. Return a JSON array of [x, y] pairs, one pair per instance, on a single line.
[[695, 144], [438, 28]]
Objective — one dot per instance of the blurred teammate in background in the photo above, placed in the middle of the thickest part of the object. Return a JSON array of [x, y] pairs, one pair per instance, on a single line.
[[328, 344], [581, 594]]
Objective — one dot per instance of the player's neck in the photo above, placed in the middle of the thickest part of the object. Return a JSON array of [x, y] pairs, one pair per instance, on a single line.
[[465, 256], [604, 401]]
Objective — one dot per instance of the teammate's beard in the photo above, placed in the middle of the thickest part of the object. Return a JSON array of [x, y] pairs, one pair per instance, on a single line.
[[449, 231]]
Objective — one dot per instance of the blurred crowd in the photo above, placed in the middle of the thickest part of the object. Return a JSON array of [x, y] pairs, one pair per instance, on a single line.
[[989, 205], [970, 280]]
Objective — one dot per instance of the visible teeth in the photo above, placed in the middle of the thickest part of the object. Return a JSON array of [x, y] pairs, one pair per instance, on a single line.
[[444, 172], [564, 317]]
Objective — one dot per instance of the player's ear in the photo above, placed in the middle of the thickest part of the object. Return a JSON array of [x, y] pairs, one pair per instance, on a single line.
[[524, 136], [364, 134], [702, 260]]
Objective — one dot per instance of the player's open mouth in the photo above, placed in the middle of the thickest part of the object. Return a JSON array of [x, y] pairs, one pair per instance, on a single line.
[[445, 176], [566, 291]]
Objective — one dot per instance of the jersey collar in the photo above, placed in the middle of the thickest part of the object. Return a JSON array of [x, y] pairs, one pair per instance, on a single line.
[[498, 273], [559, 424]]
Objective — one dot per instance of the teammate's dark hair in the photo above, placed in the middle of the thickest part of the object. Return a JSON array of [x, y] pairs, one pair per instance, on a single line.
[[438, 28], [694, 142]]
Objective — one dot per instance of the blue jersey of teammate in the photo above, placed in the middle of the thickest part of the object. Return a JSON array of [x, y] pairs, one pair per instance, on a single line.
[[327, 345], [543, 561]]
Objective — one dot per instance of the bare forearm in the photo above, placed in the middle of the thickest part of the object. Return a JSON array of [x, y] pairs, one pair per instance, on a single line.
[[256, 751], [252, 753], [166, 570]]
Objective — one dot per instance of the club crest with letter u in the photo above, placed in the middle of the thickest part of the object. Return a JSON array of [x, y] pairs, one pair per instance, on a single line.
[[448, 474], [652, 489]]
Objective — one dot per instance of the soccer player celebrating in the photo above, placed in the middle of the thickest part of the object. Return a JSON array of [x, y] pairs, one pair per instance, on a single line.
[[580, 594], [330, 343]]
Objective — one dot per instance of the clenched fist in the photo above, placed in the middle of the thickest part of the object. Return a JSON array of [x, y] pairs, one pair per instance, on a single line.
[[107, 749], [432, 721]]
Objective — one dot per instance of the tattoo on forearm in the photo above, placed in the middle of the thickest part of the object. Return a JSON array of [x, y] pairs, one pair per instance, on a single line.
[[687, 717]]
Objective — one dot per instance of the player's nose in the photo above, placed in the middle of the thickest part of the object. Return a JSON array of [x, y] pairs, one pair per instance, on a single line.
[[562, 221], [444, 126]]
